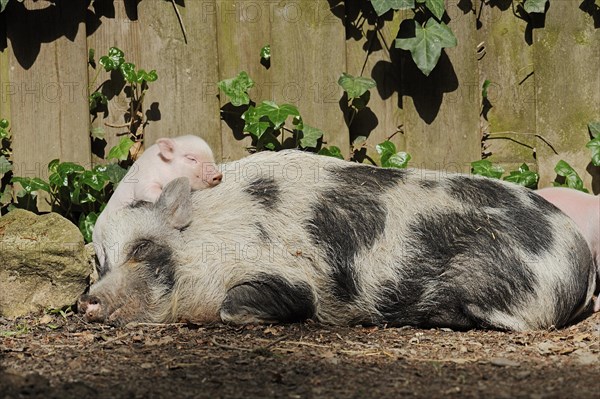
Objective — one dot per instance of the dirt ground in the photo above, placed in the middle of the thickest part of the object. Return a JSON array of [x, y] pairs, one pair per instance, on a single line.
[[61, 356]]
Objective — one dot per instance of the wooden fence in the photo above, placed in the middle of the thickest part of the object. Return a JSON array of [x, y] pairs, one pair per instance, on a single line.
[[545, 79]]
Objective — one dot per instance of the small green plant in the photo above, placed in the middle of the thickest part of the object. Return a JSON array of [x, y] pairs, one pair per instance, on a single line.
[[523, 176], [272, 126], [594, 143], [135, 87], [21, 329], [64, 312], [571, 177], [77, 193]]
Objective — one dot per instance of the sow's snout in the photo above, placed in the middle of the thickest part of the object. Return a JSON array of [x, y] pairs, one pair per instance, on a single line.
[[91, 307]]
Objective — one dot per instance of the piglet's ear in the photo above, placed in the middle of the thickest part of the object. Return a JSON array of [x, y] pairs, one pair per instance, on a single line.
[[166, 149], [175, 203]]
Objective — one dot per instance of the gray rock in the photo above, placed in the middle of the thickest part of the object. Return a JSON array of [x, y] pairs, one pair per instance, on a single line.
[[43, 262]]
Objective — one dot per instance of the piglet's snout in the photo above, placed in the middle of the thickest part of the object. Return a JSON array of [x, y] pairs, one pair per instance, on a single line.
[[216, 179], [91, 307]]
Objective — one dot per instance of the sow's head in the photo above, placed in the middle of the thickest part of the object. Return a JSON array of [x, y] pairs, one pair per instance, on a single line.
[[140, 246]]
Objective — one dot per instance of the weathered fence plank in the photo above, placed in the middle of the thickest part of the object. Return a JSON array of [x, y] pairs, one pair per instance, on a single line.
[[186, 71], [566, 58], [48, 84], [506, 60], [243, 29], [442, 110], [308, 47]]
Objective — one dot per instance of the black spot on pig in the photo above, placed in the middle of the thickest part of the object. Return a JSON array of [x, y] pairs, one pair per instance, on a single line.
[[429, 184], [262, 232], [451, 272], [264, 190], [524, 222], [367, 177], [157, 258], [482, 192], [530, 228], [140, 204], [270, 299], [348, 218]]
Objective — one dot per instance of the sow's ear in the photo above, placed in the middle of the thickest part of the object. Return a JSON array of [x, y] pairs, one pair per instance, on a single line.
[[166, 149], [175, 203]]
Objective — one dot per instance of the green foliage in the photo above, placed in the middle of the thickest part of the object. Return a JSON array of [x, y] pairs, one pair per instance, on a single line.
[[485, 168], [265, 52], [3, 4], [237, 88], [268, 122], [121, 150], [572, 179], [535, 6], [137, 85], [523, 176], [426, 47], [383, 6], [331, 151], [484, 88], [77, 193], [355, 86], [390, 158], [431, 35], [594, 144]]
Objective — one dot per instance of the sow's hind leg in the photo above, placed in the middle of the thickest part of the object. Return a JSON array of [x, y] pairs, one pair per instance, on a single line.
[[268, 299]]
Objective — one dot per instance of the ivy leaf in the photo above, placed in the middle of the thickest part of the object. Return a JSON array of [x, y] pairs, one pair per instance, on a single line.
[[98, 133], [254, 123], [86, 225], [593, 126], [113, 172], [5, 166], [113, 60], [572, 179], [426, 46], [486, 168], [265, 52], [6, 196], [237, 88], [93, 179], [3, 4], [355, 86], [385, 150], [121, 150], [128, 71], [277, 114], [383, 6], [31, 185], [97, 98], [143, 76], [594, 146], [398, 160], [4, 123], [310, 136], [484, 88], [389, 157], [535, 6], [523, 177], [436, 7], [331, 151]]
